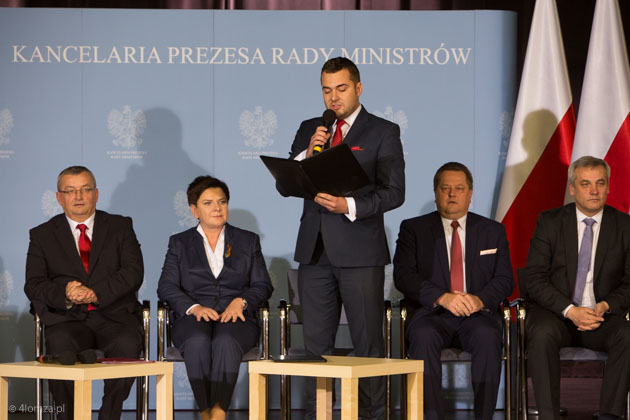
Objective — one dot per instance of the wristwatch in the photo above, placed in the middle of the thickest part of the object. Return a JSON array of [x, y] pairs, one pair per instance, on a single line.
[[244, 303]]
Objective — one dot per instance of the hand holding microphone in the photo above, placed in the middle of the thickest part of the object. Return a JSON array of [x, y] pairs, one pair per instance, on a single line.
[[328, 119]]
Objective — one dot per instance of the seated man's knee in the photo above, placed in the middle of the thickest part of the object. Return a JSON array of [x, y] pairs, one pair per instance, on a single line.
[[423, 341], [543, 334], [487, 337], [126, 344], [620, 338]]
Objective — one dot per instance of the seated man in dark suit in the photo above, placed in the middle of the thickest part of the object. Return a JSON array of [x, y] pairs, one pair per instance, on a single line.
[[578, 272], [454, 269], [83, 270]]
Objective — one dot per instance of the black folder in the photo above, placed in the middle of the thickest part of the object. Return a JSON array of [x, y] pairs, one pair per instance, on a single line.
[[307, 357], [334, 171]]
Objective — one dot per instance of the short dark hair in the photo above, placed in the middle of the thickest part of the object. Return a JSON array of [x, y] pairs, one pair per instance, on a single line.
[[339, 63], [202, 183], [452, 166], [587, 162], [74, 170]]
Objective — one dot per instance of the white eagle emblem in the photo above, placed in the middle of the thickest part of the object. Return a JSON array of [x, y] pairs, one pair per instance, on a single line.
[[398, 117], [258, 127], [6, 286], [182, 210], [50, 205], [126, 126], [6, 124]]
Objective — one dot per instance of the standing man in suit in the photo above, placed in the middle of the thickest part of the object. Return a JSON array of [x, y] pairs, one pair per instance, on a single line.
[[341, 244], [578, 280], [83, 269], [453, 267]]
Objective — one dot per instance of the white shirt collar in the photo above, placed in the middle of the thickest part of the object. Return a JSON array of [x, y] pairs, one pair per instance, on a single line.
[[89, 222], [215, 257], [350, 119], [581, 216], [446, 223]]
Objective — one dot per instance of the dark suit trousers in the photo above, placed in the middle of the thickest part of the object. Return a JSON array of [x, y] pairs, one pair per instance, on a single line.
[[97, 331], [547, 333], [322, 289], [478, 334], [212, 353]]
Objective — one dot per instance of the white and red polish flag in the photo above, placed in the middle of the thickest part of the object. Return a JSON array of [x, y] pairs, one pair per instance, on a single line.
[[603, 126], [540, 146]]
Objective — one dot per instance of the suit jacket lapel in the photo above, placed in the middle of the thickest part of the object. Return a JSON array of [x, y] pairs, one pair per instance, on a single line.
[[101, 228], [471, 249], [569, 226], [228, 248], [357, 128], [67, 243], [200, 251], [439, 239], [606, 232]]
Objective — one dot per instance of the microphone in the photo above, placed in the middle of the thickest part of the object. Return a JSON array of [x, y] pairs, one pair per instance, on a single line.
[[64, 358], [328, 119], [87, 356]]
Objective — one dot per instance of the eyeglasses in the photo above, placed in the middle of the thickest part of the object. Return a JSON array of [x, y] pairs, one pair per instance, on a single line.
[[82, 190]]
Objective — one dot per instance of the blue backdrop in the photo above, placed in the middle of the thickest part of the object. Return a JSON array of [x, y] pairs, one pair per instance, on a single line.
[[150, 99]]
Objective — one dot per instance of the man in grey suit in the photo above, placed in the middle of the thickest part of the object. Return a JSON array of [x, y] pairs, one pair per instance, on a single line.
[[341, 244], [578, 280]]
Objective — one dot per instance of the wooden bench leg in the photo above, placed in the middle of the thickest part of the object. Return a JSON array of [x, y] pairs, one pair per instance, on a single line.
[[257, 396], [324, 399], [164, 397], [83, 400], [349, 399], [414, 396], [4, 398]]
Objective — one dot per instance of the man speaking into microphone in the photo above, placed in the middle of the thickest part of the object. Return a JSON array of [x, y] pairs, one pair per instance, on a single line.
[[341, 245]]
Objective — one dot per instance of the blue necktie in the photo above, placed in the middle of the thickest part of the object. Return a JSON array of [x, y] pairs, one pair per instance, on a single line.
[[584, 261]]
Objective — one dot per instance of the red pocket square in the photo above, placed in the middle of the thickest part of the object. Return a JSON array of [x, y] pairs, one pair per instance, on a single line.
[[354, 148]]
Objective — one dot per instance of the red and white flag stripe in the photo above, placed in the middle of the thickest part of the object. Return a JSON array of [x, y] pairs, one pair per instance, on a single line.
[[603, 126], [542, 134]]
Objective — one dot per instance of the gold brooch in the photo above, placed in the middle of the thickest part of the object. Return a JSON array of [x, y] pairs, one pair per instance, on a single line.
[[229, 251]]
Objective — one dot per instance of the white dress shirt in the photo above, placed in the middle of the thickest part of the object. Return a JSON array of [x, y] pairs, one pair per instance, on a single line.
[[215, 257]]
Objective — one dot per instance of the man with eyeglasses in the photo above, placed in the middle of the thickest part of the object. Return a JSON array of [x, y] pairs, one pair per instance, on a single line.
[[83, 270], [454, 269]]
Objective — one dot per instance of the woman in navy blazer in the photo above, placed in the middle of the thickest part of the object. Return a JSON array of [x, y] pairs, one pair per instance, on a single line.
[[214, 279]]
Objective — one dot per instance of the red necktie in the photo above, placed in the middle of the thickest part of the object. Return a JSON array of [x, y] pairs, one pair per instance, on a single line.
[[84, 251], [457, 264], [338, 137]]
